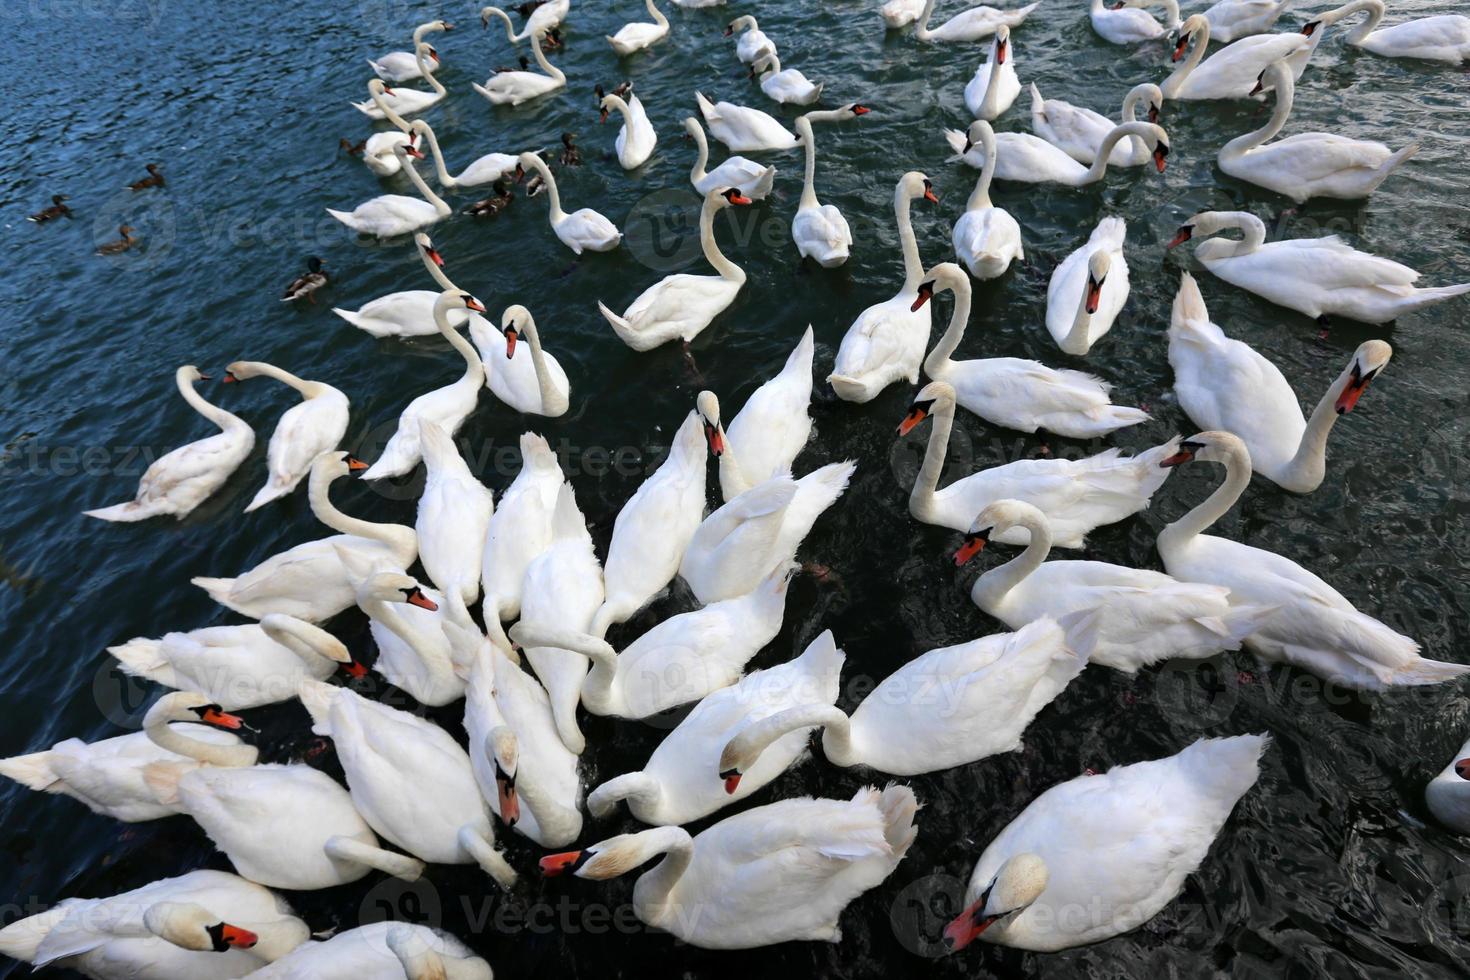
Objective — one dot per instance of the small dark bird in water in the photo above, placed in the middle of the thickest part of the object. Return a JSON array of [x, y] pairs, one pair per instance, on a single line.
[[350, 148], [154, 179], [307, 283], [552, 39], [491, 206], [58, 209], [525, 65], [570, 155], [528, 8], [118, 247]]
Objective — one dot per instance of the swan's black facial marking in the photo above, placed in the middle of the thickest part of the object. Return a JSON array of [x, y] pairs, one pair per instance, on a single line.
[[917, 413], [1462, 768], [565, 862], [1184, 234], [1310, 27], [414, 596], [1357, 383], [973, 544], [929, 194], [1187, 452], [1094, 291], [926, 293], [1161, 154], [1181, 46]]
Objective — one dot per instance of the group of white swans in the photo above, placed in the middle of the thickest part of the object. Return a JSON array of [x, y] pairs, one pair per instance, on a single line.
[[785, 870]]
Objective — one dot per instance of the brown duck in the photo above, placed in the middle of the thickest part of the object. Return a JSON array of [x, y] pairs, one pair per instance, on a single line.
[[58, 209], [118, 247], [154, 179], [306, 284]]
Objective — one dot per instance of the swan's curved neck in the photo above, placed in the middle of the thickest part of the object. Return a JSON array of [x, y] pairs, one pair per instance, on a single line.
[[980, 196], [712, 254], [439, 169], [702, 159], [994, 584], [424, 189], [434, 83], [809, 186], [398, 121], [598, 691], [730, 469], [1216, 505], [656, 885], [990, 101], [913, 266], [308, 389], [921, 28], [474, 368], [1285, 96], [938, 363], [656, 14], [624, 110], [922, 496], [553, 195], [546, 66], [1075, 342], [321, 505], [170, 739], [1105, 149], [638, 788], [1309, 463], [436, 273], [1253, 236], [551, 398], [757, 736], [214, 413], [1199, 43], [1375, 17]]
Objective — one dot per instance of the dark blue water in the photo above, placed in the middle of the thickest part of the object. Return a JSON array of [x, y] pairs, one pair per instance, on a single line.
[[1331, 866]]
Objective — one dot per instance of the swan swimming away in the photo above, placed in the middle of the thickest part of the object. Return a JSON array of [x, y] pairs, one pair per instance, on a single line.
[[1126, 23], [409, 313], [583, 229], [788, 86], [742, 129], [515, 87], [1442, 37], [636, 139], [389, 215], [519, 531]]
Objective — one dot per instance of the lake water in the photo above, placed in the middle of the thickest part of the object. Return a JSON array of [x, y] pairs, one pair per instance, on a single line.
[[1330, 866]]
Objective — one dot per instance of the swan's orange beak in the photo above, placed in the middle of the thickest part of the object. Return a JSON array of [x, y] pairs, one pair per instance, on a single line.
[[929, 194], [735, 197], [1161, 153], [1094, 294], [926, 293], [916, 414], [1180, 47], [355, 465], [968, 925], [716, 439], [510, 803], [732, 780], [1000, 52], [434, 256], [1181, 236], [415, 597], [510, 342], [602, 115], [974, 544], [355, 670], [559, 864], [860, 110], [471, 303], [227, 936], [229, 378], [1353, 390], [1185, 454], [388, 91], [214, 715]]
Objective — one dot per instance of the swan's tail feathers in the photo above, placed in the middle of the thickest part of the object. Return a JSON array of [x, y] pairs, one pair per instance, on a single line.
[[1223, 769], [377, 68], [359, 321], [162, 780], [1099, 420], [705, 108], [271, 491], [318, 698], [849, 389], [603, 800], [815, 492], [825, 656], [1423, 671], [342, 216], [1189, 304], [33, 771], [1083, 631], [567, 520], [625, 330], [899, 807], [22, 939], [803, 354], [1014, 17], [491, 861], [957, 141], [219, 589], [1118, 482], [1394, 161], [1110, 231], [389, 862], [131, 511], [1237, 623], [1038, 104], [140, 657], [1434, 294]]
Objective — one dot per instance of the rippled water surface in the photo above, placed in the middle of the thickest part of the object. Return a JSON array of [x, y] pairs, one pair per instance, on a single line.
[[1330, 866]]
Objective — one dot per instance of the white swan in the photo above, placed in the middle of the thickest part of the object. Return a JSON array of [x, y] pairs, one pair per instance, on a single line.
[[900, 13], [1013, 392], [1447, 795], [415, 651], [520, 530], [1099, 855], [681, 306], [284, 826], [1307, 165], [1443, 37], [410, 780], [1030, 159], [388, 215], [391, 950], [409, 313], [994, 87], [742, 129], [107, 775], [183, 478], [564, 588], [945, 708], [1232, 72], [886, 342], [308, 581], [677, 662], [746, 176], [583, 229], [1078, 132], [1143, 617], [409, 101], [1126, 23], [237, 667], [820, 231], [636, 139], [631, 38], [403, 66], [523, 376], [680, 782], [541, 20], [377, 149], [760, 530], [986, 238], [786, 86], [780, 872], [653, 529], [752, 43], [974, 24], [769, 431], [454, 515], [1311, 625], [201, 924], [514, 87], [1076, 495], [484, 170], [1318, 277], [448, 407], [1231, 20], [1088, 290], [304, 432], [526, 774], [1225, 384]]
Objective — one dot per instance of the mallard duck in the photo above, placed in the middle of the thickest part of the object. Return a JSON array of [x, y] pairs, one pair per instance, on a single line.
[[489, 207], [571, 156], [350, 148], [58, 209], [154, 179], [306, 284], [126, 242]]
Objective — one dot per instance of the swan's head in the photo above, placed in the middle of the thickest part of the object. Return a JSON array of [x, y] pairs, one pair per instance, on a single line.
[[856, 108], [1208, 447], [766, 62], [334, 465], [692, 129], [1276, 75], [503, 751], [997, 518], [1371, 357], [304, 639], [1001, 45], [1019, 883], [189, 374], [513, 323], [709, 414], [194, 927], [1448, 794], [189, 706], [933, 393], [979, 133], [740, 24], [728, 196], [379, 87], [944, 276], [408, 150], [1202, 225], [610, 858], [427, 249], [1149, 94], [1187, 29], [1098, 264], [443, 25], [1158, 139], [389, 586], [916, 185], [237, 371], [453, 299]]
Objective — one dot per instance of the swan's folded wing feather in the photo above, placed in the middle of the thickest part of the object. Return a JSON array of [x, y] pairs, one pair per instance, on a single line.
[[1330, 264]]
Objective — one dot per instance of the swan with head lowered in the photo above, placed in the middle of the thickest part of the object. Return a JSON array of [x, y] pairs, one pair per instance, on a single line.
[[677, 662], [107, 775], [541, 20], [1013, 392], [518, 371], [377, 149], [945, 708], [308, 581], [786, 86], [454, 514], [183, 478], [748, 177], [681, 306], [886, 342], [447, 407], [1231, 20], [986, 238], [409, 778], [1225, 384], [1088, 290], [1127, 23], [752, 43], [410, 312], [408, 101], [777, 873], [1076, 495], [404, 66], [1442, 37], [742, 129], [680, 782], [519, 531], [389, 215], [974, 24], [636, 139], [583, 229], [994, 87], [1310, 624], [391, 950], [634, 37], [1099, 855], [1025, 158], [305, 431], [1318, 277], [1307, 165], [820, 231], [484, 170], [1078, 132], [514, 87]]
